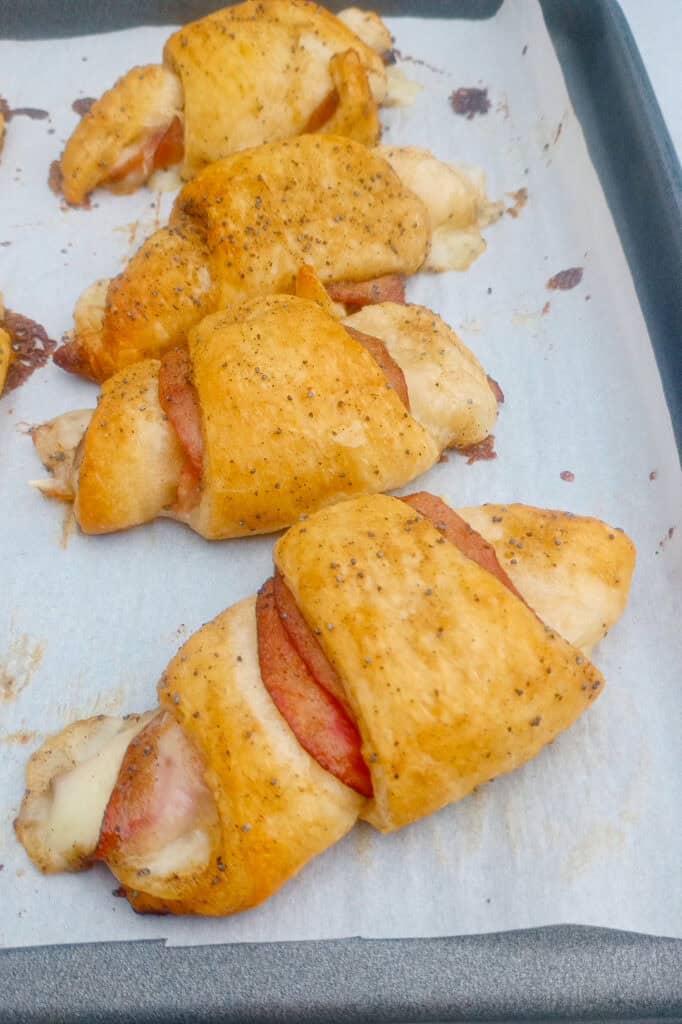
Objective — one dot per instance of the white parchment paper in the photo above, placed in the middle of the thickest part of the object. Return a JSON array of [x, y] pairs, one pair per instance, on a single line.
[[587, 833]]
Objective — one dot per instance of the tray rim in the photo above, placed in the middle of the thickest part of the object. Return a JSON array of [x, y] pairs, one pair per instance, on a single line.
[[606, 974]]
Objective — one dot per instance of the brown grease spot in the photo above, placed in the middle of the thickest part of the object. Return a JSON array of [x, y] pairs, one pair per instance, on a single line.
[[496, 389], [18, 666], [31, 347], [565, 279], [470, 101], [35, 113], [546, 308], [520, 198], [653, 474], [18, 738], [396, 54], [83, 105], [54, 178], [482, 451]]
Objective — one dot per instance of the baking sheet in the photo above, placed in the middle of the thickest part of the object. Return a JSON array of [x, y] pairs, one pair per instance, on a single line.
[[586, 833]]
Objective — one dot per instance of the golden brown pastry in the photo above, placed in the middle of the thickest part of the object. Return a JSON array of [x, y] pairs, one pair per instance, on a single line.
[[255, 72], [245, 225], [389, 668], [273, 410]]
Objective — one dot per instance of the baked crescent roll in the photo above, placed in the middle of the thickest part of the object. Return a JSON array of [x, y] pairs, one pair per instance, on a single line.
[[272, 410], [391, 666], [256, 72], [245, 225]]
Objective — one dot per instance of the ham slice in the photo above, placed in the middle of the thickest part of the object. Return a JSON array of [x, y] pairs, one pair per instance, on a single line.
[[160, 794], [305, 642], [160, 151], [458, 532], [180, 402], [318, 720], [387, 364], [323, 112], [356, 294]]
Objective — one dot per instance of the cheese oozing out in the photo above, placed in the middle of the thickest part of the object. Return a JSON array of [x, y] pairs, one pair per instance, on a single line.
[[69, 783]]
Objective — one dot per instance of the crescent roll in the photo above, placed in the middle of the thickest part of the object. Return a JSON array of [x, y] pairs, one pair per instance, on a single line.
[[246, 224], [390, 666], [272, 410], [256, 72]]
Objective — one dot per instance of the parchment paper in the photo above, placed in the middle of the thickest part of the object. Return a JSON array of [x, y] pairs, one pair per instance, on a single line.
[[587, 833]]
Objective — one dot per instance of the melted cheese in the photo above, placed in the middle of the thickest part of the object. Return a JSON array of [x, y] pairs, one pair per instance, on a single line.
[[57, 444], [189, 852], [80, 796], [68, 784], [401, 91], [369, 27], [456, 200]]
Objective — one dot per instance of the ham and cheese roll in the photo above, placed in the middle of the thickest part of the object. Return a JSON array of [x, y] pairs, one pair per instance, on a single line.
[[273, 409], [245, 225], [398, 659], [256, 72]]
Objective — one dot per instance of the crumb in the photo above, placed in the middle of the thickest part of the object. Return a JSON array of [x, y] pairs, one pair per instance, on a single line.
[[567, 475], [665, 538]]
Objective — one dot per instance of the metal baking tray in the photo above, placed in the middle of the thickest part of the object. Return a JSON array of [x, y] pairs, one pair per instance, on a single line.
[[556, 973]]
